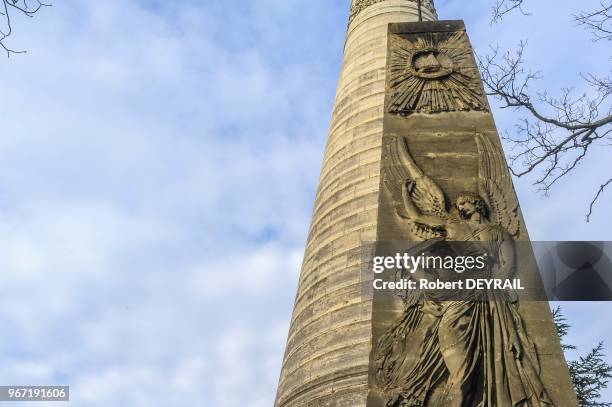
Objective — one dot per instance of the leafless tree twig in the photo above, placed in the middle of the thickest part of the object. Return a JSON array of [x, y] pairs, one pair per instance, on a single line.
[[556, 133], [503, 7], [594, 200], [598, 21], [26, 7]]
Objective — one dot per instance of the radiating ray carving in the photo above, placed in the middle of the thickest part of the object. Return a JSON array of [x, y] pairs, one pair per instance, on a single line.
[[433, 73]]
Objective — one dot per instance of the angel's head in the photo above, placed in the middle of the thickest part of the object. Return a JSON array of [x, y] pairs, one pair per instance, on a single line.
[[468, 204]]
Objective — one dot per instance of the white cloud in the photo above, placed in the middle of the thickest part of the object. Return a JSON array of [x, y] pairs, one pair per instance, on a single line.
[[258, 272]]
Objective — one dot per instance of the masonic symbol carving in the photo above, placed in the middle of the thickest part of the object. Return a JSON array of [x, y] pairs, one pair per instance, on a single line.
[[433, 73]]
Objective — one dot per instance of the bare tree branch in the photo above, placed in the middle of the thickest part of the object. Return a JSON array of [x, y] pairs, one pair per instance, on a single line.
[[26, 7], [503, 7], [556, 133], [599, 192], [599, 21]]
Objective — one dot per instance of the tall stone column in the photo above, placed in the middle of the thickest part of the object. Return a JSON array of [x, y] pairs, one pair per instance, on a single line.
[[410, 121], [326, 359]]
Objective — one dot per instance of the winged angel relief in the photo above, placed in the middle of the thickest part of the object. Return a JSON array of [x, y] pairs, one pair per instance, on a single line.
[[459, 353]]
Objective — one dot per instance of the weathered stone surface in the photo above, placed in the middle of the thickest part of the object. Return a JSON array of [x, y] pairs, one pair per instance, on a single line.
[[444, 170], [429, 97], [326, 360], [433, 73], [359, 5]]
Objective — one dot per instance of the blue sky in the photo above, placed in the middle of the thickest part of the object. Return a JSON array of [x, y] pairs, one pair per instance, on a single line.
[[159, 162]]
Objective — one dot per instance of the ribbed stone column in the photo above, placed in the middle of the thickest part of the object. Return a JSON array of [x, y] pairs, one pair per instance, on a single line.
[[329, 342]]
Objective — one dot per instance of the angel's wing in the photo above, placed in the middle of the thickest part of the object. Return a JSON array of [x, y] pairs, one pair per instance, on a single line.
[[401, 170], [495, 186]]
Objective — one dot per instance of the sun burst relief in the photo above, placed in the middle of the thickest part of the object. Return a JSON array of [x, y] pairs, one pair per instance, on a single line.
[[432, 73]]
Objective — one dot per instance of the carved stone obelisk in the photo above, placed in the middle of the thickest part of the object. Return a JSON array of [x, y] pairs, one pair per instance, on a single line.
[[413, 154]]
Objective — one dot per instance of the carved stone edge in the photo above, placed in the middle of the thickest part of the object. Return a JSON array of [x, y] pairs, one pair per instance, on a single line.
[[358, 6]]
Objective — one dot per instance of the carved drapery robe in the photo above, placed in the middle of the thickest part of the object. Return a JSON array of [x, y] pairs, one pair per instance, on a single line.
[[499, 365]]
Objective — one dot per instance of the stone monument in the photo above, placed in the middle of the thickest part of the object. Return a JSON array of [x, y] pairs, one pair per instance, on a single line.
[[413, 154]]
